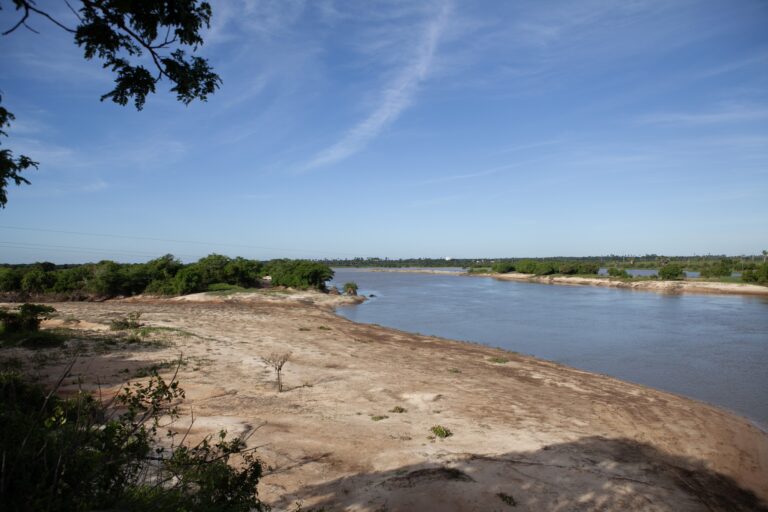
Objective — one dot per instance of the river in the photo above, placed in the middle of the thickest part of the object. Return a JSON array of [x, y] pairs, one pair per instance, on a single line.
[[708, 347]]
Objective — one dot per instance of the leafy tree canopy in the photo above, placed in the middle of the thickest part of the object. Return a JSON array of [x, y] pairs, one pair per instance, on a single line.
[[121, 34]]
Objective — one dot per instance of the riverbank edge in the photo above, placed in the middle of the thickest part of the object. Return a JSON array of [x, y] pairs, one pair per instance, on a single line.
[[672, 287], [739, 426]]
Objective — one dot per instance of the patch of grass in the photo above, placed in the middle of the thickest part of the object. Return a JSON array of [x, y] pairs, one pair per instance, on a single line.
[[498, 360], [441, 431], [149, 330], [454, 370], [146, 371], [507, 499], [304, 328], [398, 410], [131, 321], [324, 328], [379, 417]]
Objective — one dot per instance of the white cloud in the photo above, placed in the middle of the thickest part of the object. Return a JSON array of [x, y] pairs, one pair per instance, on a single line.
[[397, 96], [727, 115]]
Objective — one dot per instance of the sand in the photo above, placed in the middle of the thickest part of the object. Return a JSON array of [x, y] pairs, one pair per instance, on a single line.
[[526, 434]]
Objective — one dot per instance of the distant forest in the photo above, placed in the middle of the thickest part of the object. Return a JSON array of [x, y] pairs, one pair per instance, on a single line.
[[166, 275], [648, 261]]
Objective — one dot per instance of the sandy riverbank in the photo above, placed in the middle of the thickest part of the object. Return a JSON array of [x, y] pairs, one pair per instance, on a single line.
[[692, 286], [653, 286], [549, 436]]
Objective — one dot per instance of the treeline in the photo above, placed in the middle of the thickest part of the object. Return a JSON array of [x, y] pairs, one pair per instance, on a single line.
[[166, 275], [647, 261], [543, 267]]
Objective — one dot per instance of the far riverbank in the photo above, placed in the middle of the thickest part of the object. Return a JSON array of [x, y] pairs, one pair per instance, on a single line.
[[699, 287]]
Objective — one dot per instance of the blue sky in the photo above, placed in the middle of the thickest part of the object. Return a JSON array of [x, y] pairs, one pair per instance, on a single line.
[[405, 129]]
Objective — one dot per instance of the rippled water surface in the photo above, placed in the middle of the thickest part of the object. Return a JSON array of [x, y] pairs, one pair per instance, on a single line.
[[710, 347]]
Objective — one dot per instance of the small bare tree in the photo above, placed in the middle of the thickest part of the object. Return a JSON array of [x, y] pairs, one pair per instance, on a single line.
[[276, 360]]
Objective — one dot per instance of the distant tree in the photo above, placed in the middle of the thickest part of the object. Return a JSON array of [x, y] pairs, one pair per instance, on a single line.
[[125, 36], [502, 267], [617, 272], [526, 266], [671, 271], [299, 273]]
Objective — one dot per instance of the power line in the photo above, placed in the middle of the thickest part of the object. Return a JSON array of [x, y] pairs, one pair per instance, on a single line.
[[168, 240]]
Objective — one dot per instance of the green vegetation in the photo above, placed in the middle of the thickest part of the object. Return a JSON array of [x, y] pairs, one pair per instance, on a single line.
[[758, 275], [379, 417], [398, 410], [122, 35], [131, 321], [27, 317], [617, 272], [78, 454], [441, 431], [502, 267], [498, 360], [162, 276], [300, 274], [350, 288], [507, 499], [671, 271]]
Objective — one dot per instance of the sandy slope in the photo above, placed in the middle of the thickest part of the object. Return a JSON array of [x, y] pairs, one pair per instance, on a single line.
[[544, 435]]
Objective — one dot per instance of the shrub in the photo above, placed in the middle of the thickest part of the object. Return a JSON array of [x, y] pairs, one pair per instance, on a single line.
[[526, 266], [10, 280], [671, 271], [276, 361], [759, 275], [544, 268], [350, 288], [299, 274], [131, 321], [441, 431], [27, 318], [502, 267], [589, 268], [568, 269], [76, 454], [617, 272], [722, 268]]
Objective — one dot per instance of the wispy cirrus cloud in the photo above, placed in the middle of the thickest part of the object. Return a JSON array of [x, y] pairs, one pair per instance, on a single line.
[[727, 115], [395, 98]]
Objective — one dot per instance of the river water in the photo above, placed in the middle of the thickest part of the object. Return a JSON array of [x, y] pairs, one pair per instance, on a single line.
[[709, 347]]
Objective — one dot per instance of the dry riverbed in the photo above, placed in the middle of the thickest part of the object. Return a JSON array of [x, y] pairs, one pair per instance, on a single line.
[[353, 429]]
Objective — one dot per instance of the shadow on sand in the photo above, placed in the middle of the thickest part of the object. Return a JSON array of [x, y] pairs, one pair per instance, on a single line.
[[593, 473]]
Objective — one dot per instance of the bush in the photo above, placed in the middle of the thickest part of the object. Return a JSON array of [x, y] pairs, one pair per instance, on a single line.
[[671, 271], [76, 454], [299, 274], [617, 272], [502, 267], [350, 288], [589, 268], [544, 268], [441, 431], [759, 275], [722, 268], [526, 266], [568, 269], [28, 318]]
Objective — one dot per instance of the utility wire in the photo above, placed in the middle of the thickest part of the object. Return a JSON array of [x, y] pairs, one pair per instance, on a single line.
[[168, 240]]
